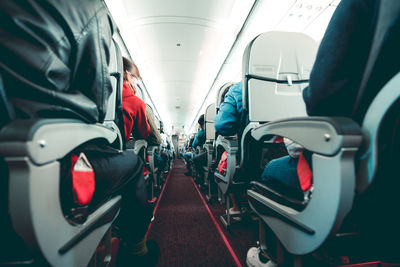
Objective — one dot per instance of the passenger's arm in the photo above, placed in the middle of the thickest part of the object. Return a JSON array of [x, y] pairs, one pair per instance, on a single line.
[[196, 140], [226, 121], [341, 60]]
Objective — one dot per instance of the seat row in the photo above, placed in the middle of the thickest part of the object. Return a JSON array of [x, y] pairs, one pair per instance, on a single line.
[[349, 156], [44, 222]]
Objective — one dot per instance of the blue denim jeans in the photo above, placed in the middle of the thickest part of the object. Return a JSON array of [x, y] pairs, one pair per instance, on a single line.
[[159, 161], [283, 170]]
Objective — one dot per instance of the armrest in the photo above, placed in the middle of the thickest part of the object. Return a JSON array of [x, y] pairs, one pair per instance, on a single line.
[[209, 147], [229, 143], [31, 149], [335, 142], [139, 145], [152, 149], [322, 135], [37, 138], [292, 198]]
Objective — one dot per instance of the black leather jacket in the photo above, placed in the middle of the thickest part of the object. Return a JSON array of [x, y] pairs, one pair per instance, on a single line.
[[54, 57]]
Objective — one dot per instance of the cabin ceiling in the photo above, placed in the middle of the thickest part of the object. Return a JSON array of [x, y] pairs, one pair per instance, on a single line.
[[180, 46]]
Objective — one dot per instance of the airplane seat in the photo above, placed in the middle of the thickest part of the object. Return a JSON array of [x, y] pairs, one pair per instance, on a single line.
[[217, 156], [276, 68], [209, 146], [218, 103], [353, 161], [154, 172], [32, 151]]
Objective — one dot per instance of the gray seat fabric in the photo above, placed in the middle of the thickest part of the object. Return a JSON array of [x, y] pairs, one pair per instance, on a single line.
[[78, 87]]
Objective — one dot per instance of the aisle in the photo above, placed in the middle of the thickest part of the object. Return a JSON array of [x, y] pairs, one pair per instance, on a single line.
[[183, 228]]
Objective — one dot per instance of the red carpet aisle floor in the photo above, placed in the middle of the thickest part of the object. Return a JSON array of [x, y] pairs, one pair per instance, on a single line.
[[183, 228]]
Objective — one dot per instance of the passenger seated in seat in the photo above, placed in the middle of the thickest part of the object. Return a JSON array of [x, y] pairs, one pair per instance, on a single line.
[[165, 145], [199, 140], [138, 120], [200, 159], [187, 153], [284, 169], [335, 78], [230, 121], [56, 65]]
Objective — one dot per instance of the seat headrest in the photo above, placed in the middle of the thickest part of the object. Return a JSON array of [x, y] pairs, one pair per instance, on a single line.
[[276, 68], [279, 55]]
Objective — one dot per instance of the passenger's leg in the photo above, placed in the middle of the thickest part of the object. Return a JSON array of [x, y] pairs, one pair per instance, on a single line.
[[188, 157], [199, 161], [122, 173], [282, 170], [235, 207], [165, 159]]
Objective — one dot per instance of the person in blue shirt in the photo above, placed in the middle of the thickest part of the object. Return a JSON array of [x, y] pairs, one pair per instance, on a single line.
[[187, 150], [199, 140], [229, 120]]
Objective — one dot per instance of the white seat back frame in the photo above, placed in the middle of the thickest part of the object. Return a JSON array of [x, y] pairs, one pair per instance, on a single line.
[[34, 188], [276, 68]]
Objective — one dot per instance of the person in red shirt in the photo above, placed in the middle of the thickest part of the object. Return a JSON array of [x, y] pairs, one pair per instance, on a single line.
[[138, 120], [134, 108]]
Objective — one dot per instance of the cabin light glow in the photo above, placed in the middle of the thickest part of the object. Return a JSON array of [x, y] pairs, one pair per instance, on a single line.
[[189, 49], [205, 32]]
